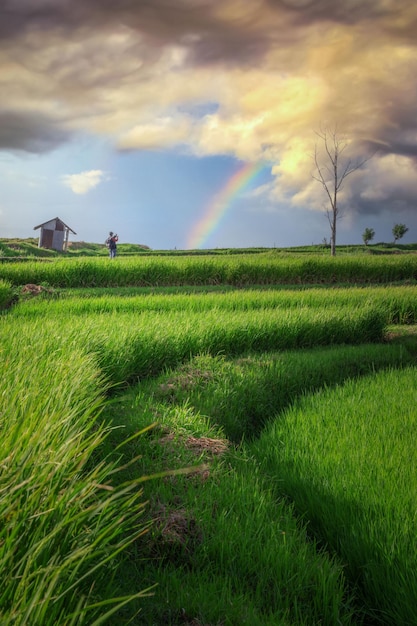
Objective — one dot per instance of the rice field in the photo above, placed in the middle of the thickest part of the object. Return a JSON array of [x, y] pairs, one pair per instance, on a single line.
[[242, 270], [347, 458], [397, 303], [208, 440], [6, 294]]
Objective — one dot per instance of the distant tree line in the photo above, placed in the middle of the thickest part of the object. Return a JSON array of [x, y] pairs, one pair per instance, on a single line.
[[398, 232]]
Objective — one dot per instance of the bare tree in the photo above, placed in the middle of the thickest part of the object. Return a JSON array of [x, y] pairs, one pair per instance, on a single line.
[[332, 172]]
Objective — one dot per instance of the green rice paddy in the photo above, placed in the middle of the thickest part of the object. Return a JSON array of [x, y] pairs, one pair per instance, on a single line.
[[216, 440]]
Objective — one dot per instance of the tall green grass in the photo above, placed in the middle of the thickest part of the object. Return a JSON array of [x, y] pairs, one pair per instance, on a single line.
[[62, 521], [129, 346], [70, 507], [239, 270], [6, 294], [398, 303], [244, 394], [346, 457], [222, 548], [224, 529]]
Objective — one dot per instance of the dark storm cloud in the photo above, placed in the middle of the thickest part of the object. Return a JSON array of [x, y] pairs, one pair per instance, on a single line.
[[396, 202], [400, 143], [208, 36], [30, 132], [398, 135], [350, 12], [243, 33]]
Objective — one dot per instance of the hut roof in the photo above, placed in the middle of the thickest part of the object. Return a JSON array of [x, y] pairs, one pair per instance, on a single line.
[[58, 220]]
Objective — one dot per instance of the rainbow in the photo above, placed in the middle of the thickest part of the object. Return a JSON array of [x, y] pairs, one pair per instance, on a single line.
[[221, 202]]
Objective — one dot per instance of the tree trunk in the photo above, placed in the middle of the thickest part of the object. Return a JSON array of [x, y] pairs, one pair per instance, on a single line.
[[333, 237]]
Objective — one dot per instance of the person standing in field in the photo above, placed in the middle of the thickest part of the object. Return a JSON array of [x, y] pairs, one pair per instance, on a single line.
[[111, 243]]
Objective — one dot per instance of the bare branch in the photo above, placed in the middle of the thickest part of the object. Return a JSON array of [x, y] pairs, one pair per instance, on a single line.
[[321, 178], [332, 173]]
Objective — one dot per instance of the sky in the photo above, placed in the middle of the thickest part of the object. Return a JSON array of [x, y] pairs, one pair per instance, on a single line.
[[183, 124]]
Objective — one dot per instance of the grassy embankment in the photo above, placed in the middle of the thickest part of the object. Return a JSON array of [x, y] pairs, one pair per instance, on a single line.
[[226, 545]]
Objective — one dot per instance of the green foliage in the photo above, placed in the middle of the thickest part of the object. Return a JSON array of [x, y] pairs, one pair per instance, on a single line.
[[367, 235], [398, 231]]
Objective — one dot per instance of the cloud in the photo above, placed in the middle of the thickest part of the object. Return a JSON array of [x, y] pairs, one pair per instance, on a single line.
[[83, 182], [270, 72], [260, 191], [30, 131], [163, 133], [387, 184]]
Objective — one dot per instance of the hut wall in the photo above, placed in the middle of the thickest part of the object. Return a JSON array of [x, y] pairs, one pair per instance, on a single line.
[[58, 240]]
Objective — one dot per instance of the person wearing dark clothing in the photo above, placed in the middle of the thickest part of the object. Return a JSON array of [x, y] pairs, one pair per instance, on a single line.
[[111, 243]]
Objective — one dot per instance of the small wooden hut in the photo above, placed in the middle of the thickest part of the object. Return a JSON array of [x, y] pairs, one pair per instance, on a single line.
[[54, 235]]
